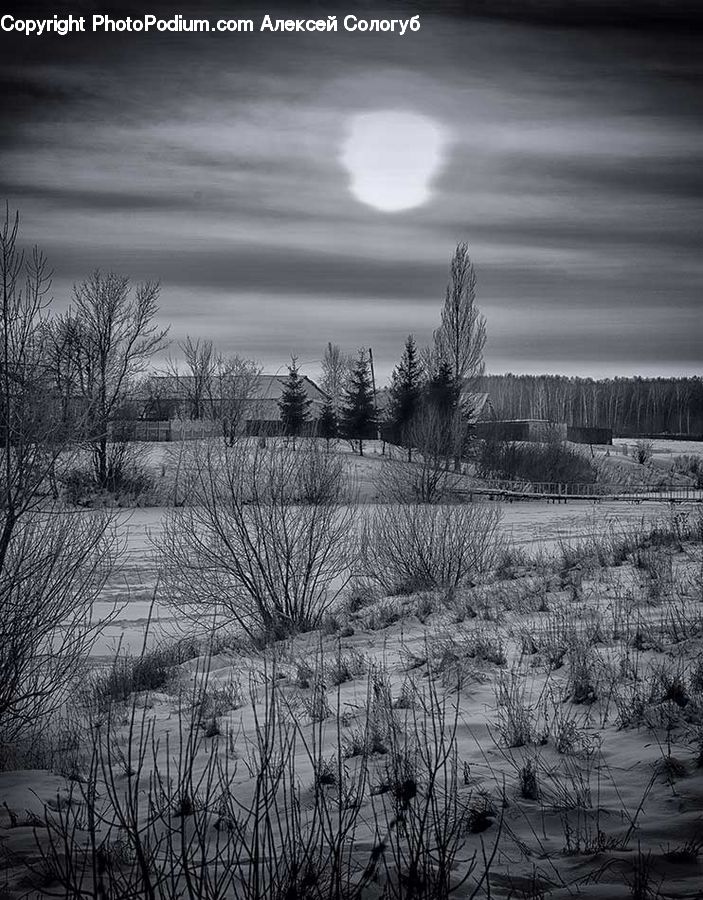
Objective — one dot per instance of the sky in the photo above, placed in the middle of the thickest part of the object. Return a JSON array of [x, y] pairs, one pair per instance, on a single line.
[[565, 146]]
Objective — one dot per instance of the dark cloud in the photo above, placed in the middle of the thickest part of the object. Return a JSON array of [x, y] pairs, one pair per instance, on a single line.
[[212, 163], [657, 15]]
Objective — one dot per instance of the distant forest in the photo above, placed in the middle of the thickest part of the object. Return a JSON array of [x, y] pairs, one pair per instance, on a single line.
[[630, 406]]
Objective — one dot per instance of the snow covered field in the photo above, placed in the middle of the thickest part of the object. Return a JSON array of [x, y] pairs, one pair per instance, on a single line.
[[561, 709]]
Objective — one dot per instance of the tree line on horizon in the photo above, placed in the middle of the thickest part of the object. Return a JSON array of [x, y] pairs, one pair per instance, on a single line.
[[630, 406]]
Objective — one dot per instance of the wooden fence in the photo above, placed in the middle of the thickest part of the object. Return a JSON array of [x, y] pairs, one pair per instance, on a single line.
[[173, 430], [194, 429]]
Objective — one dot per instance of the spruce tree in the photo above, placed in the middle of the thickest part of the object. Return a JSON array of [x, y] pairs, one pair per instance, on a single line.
[[327, 427], [358, 414], [441, 391], [442, 398], [294, 404], [405, 395]]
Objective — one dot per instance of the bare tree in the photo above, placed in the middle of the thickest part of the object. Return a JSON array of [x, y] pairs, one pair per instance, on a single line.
[[116, 337], [159, 400], [235, 394], [52, 563], [336, 368], [30, 425], [461, 336], [200, 369], [62, 356]]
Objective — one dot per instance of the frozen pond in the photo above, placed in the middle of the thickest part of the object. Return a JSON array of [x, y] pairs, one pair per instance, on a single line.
[[531, 524]]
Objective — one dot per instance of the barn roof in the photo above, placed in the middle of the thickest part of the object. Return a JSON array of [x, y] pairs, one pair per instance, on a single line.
[[264, 387]]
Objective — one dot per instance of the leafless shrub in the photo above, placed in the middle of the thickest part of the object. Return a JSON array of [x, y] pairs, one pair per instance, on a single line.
[[248, 551], [411, 547], [553, 461], [428, 479], [642, 452], [421, 481], [127, 479], [321, 476]]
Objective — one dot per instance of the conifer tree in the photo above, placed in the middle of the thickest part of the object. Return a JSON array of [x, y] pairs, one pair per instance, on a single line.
[[358, 414], [441, 391], [294, 403], [405, 395], [327, 426], [442, 396]]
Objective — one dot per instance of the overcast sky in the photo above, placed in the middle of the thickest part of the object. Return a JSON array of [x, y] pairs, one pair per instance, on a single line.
[[572, 164]]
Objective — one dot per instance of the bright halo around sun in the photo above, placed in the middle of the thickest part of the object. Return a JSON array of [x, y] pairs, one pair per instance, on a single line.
[[392, 158]]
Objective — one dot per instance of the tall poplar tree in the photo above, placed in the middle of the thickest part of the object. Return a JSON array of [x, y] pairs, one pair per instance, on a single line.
[[461, 336]]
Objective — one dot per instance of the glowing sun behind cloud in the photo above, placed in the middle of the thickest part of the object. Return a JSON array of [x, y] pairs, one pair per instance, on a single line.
[[392, 158]]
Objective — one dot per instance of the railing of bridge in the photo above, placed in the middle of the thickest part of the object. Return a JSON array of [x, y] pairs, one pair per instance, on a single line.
[[556, 489]]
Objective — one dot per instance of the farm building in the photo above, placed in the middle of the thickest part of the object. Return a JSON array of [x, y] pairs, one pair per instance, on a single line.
[[540, 430], [181, 407]]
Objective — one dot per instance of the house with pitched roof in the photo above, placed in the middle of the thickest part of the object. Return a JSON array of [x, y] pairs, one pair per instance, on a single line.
[[250, 398]]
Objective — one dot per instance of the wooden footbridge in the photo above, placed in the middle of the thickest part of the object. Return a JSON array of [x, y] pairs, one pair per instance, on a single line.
[[558, 492]]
